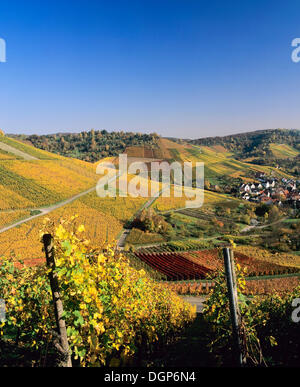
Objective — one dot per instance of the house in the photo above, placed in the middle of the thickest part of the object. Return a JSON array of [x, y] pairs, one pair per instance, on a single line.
[[271, 190]]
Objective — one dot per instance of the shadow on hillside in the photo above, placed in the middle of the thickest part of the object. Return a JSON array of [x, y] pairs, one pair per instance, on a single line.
[[18, 356], [190, 350]]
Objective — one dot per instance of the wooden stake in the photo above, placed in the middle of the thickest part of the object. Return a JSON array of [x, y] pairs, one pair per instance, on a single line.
[[62, 345], [234, 306]]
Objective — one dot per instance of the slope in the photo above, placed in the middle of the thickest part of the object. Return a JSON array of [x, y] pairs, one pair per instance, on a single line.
[[31, 178]]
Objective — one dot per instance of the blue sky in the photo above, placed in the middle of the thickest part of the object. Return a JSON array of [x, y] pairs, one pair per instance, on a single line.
[[182, 68]]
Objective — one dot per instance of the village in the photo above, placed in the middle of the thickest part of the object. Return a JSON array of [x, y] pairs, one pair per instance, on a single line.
[[272, 190]]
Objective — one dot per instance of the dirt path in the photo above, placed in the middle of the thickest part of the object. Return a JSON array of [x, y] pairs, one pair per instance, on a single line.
[[195, 300], [122, 239], [248, 228], [17, 152], [47, 210]]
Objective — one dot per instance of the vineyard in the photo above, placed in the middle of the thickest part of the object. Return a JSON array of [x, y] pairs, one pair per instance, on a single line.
[[283, 151], [210, 198], [40, 183], [53, 176], [252, 287], [43, 180], [4, 155], [9, 217], [174, 266], [104, 219], [47, 180], [288, 260], [193, 265], [143, 312], [146, 152], [117, 207], [174, 246], [28, 192], [218, 162]]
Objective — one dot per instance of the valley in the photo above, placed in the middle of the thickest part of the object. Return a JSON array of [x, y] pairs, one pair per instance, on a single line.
[[176, 247], [46, 185]]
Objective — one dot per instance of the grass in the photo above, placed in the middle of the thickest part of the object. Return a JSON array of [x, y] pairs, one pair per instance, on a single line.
[[291, 221]]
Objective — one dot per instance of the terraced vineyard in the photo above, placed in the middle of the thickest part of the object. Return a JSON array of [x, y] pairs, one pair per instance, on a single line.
[[170, 203], [192, 265], [104, 219], [218, 161], [283, 151], [45, 179], [144, 152], [42, 179], [253, 287], [9, 217], [198, 213], [174, 266]]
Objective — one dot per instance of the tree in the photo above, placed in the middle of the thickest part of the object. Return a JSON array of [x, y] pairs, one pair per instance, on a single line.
[[262, 209], [149, 221], [246, 219], [206, 184], [274, 214]]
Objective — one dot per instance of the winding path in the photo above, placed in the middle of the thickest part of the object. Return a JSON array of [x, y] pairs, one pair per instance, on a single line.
[[16, 152], [249, 228], [47, 210], [126, 231]]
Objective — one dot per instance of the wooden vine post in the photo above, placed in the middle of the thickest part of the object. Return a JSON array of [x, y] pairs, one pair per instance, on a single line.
[[234, 307], [62, 344]]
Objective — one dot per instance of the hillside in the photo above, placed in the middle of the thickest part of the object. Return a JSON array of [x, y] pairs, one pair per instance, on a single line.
[[238, 156], [257, 144], [35, 185], [162, 240], [31, 178], [221, 165]]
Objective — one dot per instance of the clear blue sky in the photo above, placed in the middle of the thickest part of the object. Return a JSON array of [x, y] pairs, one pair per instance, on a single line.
[[184, 68]]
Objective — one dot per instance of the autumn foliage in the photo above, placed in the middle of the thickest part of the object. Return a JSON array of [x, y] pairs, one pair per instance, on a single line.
[[111, 310]]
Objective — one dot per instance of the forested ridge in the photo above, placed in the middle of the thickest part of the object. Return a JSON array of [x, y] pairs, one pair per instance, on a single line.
[[253, 144], [89, 146]]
